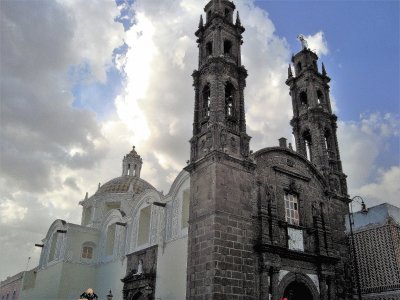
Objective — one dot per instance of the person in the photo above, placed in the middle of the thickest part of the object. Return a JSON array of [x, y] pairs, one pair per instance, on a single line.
[[88, 295]]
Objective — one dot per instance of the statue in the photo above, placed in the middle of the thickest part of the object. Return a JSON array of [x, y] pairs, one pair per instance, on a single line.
[[139, 268], [303, 41]]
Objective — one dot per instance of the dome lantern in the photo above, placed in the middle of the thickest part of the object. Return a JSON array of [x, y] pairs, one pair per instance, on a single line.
[[132, 164]]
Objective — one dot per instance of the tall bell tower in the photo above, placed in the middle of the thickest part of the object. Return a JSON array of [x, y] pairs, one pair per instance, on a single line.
[[314, 124], [219, 117], [220, 254]]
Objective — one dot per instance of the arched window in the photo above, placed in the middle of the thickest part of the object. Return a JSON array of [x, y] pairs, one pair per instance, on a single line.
[[328, 144], [110, 239], [303, 99], [227, 47], [229, 105], [307, 144], [185, 209], [291, 209], [327, 136], [144, 226], [209, 48], [209, 15], [206, 95], [87, 252], [299, 67], [320, 97]]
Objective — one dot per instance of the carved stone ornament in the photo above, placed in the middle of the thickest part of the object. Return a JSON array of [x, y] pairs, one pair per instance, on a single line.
[[293, 188]]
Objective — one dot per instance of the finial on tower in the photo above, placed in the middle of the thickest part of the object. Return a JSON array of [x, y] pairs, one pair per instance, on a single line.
[[303, 41], [323, 70], [201, 22], [238, 23], [290, 74]]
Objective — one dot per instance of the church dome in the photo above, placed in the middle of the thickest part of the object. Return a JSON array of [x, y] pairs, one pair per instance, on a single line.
[[122, 185], [130, 180]]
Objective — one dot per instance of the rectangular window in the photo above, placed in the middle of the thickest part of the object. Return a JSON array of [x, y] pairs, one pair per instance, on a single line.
[[144, 226], [87, 215], [291, 209], [110, 239], [53, 247]]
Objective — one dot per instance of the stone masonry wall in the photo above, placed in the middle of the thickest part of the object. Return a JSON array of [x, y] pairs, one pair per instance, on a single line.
[[221, 263]]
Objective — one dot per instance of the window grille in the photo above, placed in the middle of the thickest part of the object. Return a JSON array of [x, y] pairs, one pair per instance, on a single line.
[[291, 209], [87, 252]]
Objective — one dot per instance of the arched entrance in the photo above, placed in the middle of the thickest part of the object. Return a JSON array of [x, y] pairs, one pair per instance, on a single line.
[[297, 286], [297, 291]]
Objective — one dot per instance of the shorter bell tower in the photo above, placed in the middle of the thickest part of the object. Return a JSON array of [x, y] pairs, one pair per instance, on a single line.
[[314, 124]]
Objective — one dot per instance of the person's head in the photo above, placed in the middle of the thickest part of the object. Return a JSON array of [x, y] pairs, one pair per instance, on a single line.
[[89, 291]]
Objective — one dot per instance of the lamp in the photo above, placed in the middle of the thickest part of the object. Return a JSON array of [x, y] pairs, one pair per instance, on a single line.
[[110, 296]]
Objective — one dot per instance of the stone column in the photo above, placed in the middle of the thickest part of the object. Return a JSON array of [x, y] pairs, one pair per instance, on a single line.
[[322, 287], [275, 283], [331, 288], [264, 285]]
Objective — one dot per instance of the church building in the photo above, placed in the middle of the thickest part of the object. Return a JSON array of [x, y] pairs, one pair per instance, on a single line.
[[235, 224]]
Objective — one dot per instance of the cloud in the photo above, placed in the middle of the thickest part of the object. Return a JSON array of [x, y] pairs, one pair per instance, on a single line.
[[11, 212], [318, 43], [39, 126], [48, 147], [365, 145], [385, 188]]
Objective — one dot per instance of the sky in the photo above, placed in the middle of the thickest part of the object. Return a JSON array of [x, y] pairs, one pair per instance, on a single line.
[[83, 81]]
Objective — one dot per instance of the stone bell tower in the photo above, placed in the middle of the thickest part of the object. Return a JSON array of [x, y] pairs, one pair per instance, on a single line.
[[220, 259], [314, 124]]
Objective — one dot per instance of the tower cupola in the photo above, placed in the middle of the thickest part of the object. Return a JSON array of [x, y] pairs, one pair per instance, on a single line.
[[132, 164], [219, 8]]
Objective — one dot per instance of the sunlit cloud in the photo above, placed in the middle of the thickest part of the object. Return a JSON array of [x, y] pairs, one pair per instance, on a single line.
[[11, 212], [318, 43]]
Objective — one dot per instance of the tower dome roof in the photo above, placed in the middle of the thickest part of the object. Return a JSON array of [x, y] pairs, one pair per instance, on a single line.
[[125, 184]]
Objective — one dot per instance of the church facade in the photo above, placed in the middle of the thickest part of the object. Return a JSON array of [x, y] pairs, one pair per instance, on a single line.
[[235, 224]]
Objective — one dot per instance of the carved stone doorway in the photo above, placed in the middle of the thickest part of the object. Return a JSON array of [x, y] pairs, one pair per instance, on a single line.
[[297, 291]]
